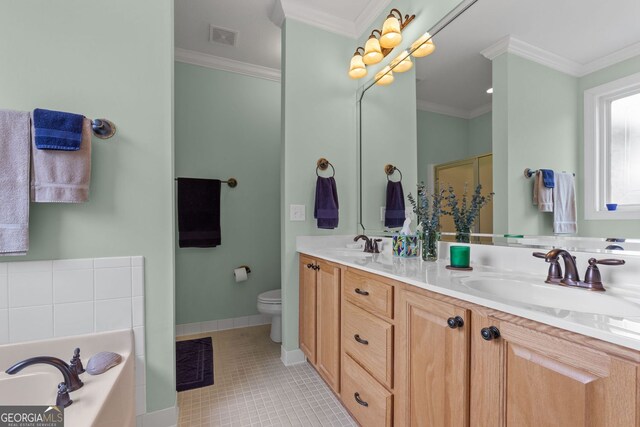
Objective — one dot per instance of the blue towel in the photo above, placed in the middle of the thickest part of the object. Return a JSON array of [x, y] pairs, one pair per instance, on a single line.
[[55, 130], [326, 207], [547, 178], [394, 213]]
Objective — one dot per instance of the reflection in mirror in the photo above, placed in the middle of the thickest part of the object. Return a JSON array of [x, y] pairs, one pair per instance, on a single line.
[[504, 90]]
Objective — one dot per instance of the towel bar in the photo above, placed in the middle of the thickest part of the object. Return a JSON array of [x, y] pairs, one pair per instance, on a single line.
[[231, 182], [528, 173], [103, 128]]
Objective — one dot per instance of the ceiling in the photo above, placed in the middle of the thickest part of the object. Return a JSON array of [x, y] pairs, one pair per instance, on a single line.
[[457, 76]]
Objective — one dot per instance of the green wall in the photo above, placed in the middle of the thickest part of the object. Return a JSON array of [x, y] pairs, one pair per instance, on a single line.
[[600, 228], [534, 125], [443, 138], [228, 125], [103, 59]]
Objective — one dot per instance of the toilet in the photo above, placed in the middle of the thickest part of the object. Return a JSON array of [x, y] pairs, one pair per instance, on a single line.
[[270, 302]]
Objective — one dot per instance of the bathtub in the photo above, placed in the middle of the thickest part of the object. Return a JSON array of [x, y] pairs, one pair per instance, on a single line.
[[104, 400]]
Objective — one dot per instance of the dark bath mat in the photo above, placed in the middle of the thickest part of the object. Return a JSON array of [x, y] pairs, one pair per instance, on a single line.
[[194, 364]]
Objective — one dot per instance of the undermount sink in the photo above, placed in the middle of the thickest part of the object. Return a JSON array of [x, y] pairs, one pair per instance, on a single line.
[[354, 253], [553, 296]]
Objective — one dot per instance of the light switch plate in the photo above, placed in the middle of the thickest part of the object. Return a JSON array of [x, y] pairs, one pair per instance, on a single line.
[[296, 212], [383, 211]]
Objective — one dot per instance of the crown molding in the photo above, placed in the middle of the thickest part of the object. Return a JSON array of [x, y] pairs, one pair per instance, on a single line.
[[218, 63], [292, 9], [483, 109], [369, 14], [611, 59], [461, 113]]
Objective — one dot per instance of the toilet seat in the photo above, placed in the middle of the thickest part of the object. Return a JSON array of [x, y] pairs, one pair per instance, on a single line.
[[270, 297]]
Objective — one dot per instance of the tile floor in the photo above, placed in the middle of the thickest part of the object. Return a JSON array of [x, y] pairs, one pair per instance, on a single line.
[[253, 388]]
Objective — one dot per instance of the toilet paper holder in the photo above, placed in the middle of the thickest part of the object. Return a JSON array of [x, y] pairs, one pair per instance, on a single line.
[[246, 267]]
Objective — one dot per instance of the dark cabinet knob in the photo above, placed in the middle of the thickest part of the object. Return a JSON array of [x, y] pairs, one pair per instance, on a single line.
[[455, 322], [316, 267], [361, 292], [356, 395], [309, 265], [490, 333], [360, 340]]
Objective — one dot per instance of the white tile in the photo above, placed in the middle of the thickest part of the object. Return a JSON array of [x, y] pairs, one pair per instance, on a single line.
[[29, 266], [138, 338], [73, 264], [141, 400], [112, 283], [137, 281], [4, 291], [29, 289], [113, 262], [4, 326], [137, 311], [113, 314], [225, 324], [209, 326], [72, 286], [240, 322], [4, 267], [137, 261], [141, 375], [73, 319], [30, 323], [191, 328]]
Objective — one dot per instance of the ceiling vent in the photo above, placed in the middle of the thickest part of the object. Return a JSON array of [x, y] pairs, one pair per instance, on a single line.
[[222, 36]]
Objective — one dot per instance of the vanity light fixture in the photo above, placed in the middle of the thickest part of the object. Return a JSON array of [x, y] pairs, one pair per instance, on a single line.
[[380, 44], [423, 46], [402, 62], [384, 77]]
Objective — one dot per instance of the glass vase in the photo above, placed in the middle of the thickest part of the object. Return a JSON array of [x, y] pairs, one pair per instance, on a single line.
[[463, 235], [430, 245]]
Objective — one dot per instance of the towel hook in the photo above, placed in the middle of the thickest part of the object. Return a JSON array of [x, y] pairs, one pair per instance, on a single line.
[[103, 128], [389, 169], [323, 164]]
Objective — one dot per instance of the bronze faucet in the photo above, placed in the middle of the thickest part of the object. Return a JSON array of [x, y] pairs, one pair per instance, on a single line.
[[592, 279], [370, 245]]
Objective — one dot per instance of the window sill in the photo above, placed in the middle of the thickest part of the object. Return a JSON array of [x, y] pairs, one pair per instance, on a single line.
[[620, 214]]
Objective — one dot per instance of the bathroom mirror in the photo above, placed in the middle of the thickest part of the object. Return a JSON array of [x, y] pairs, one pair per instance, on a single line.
[[438, 119]]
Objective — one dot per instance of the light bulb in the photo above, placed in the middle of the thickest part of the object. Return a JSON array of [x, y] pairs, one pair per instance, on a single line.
[[423, 46], [391, 35]]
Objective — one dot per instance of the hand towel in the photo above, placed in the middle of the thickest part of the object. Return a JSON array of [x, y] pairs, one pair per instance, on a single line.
[[199, 213], [394, 213], [326, 206], [547, 178], [542, 196], [564, 204], [62, 176], [14, 182], [56, 130]]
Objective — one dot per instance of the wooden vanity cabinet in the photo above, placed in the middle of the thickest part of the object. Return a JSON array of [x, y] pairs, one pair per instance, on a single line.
[[319, 317]]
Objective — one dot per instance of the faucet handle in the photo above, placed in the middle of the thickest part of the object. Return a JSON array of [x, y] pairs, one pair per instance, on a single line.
[[376, 250], [63, 398], [592, 276], [606, 261], [76, 363], [554, 274]]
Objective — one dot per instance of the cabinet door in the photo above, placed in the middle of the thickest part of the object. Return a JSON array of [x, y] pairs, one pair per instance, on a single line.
[[432, 368], [328, 324], [548, 381], [307, 308]]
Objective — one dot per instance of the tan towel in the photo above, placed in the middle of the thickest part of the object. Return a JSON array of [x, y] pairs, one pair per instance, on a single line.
[[62, 176], [542, 196], [565, 219], [14, 182]]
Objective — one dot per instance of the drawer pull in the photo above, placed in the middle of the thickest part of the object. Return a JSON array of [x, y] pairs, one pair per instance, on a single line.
[[490, 333], [455, 322], [361, 292], [360, 340], [309, 265], [360, 401]]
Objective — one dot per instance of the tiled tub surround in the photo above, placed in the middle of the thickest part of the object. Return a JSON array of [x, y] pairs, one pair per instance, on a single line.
[[512, 262], [57, 298]]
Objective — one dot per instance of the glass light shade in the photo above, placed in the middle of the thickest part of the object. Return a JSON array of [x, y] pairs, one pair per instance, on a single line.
[[384, 77], [403, 62], [424, 46], [391, 35], [372, 51], [357, 68]]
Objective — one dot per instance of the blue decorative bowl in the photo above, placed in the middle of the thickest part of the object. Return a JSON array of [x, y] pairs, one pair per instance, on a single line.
[[612, 206]]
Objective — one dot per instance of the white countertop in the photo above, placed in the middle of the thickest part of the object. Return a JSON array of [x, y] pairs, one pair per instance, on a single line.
[[433, 276]]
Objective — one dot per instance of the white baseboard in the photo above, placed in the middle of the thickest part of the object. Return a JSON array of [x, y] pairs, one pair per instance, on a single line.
[[291, 357], [167, 417], [222, 324]]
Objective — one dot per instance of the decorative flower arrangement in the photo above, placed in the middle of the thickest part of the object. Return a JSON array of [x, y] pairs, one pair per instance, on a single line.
[[465, 215], [428, 209]]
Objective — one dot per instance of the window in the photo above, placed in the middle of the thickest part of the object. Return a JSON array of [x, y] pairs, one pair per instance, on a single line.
[[612, 149]]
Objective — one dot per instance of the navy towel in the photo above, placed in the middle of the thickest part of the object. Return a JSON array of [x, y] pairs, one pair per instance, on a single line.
[[56, 130], [198, 213], [394, 214], [326, 208], [548, 178]]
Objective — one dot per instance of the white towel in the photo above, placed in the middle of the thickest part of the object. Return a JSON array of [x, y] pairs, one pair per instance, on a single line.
[[14, 182], [542, 196], [565, 219]]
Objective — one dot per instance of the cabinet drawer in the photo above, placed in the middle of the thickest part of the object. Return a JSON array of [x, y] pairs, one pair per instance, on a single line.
[[372, 295], [369, 402], [369, 340]]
